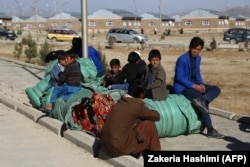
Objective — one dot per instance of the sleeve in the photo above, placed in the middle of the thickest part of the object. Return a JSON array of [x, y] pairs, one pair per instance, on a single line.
[[147, 114], [198, 72], [182, 74], [159, 79]]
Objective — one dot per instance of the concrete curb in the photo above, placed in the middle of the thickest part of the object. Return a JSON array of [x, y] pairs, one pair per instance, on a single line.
[[79, 138], [231, 116]]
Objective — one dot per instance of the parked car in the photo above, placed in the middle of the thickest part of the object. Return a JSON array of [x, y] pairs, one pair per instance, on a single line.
[[125, 35], [4, 34], [236, 35], [59, 34]]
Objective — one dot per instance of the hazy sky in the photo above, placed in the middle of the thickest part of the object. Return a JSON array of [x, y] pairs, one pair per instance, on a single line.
[[136, 6]]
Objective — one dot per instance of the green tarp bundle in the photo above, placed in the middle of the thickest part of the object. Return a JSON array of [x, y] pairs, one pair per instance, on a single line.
[[177, 116]]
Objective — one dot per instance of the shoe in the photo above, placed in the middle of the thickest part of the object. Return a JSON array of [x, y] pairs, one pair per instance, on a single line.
[[200, 104], [137, 155], [202, 128], [96, 147], [215, 134]]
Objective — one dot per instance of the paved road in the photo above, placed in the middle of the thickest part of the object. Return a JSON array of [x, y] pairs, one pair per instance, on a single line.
[[27, 144], [15, 79]]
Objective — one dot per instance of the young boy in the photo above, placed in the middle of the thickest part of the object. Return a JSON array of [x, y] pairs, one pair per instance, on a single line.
[[155, 77], [130, 127], [112, 77], [69, 81], [135, 68], [57, 69]]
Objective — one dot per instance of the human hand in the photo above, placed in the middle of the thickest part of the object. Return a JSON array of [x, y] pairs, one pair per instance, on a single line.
[[199, 88], [203, 88]]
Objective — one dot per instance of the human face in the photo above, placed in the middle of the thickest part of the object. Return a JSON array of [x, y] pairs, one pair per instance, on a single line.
[[155, 61], [195, 51], [68, 60], [62, 62], [115, 69]]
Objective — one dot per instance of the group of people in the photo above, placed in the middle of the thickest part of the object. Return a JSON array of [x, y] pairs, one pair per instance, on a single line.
[[130, 127]]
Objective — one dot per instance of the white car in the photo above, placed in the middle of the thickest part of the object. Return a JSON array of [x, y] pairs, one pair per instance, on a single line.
[[125, 35]]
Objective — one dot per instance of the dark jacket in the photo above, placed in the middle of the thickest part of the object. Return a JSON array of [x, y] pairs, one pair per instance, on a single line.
[[132, 71], [111, 79], [71, 75], [118, 134]]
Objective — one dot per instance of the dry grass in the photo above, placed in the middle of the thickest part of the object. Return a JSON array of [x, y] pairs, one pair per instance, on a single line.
[[227, 68]]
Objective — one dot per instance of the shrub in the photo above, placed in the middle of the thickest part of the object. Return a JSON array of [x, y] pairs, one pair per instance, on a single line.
[[46, 48], [181, 31], [213, 44], [103, 58], [18, 50], [31, 50], [111, 42], [246, 44], [163, 36]]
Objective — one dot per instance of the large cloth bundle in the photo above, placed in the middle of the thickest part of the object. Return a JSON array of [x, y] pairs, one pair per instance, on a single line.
[[177, 116], [38, 95]]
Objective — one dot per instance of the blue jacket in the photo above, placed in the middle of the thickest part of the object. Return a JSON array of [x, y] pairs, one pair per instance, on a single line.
[[95, 56], [183, 73]]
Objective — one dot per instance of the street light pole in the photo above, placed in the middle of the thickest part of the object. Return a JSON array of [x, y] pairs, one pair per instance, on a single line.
[[18, 2], [84, 28], [36, 2], [160, 16]]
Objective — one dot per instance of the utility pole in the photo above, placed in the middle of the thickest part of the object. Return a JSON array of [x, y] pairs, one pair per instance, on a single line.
[[84, 28], [19, 6], [160, 16], [136, 12], [36, 2]]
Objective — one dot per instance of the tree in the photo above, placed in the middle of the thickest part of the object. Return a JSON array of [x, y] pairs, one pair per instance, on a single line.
[[31, 50], [46, 48], [18, 50]]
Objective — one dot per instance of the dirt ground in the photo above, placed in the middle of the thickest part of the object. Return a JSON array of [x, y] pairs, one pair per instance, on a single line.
[[227, 68]]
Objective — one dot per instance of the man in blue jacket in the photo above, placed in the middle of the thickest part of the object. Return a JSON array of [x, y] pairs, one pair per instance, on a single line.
[[188, 81]]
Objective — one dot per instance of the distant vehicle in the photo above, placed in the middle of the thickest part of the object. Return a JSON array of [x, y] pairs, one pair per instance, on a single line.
[[59, 34], [125, 35], [4, 34], [236, 35]]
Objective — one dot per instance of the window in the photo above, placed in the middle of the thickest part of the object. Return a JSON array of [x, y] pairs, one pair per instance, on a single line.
[[8, 24], [205, 22], [54, 24], [41, 25], [92, 23], [68, 24], [188, 23], [29, 25], [151, 24], [124, 23], [109, 23], [129, 23]]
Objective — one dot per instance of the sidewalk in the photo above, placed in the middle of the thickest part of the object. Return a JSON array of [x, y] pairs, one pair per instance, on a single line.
[[235, 127]]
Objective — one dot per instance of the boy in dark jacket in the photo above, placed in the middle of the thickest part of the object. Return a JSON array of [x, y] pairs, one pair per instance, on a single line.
[[135, 68], [69, 81], [112, 77]]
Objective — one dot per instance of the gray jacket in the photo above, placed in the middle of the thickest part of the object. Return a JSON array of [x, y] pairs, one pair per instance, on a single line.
[[158, 85]]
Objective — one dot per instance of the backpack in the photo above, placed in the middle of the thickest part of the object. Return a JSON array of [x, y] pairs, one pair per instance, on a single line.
[[92, 112]]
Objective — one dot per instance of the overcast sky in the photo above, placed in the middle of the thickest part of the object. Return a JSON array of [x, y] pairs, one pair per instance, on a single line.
[[136, 6]]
